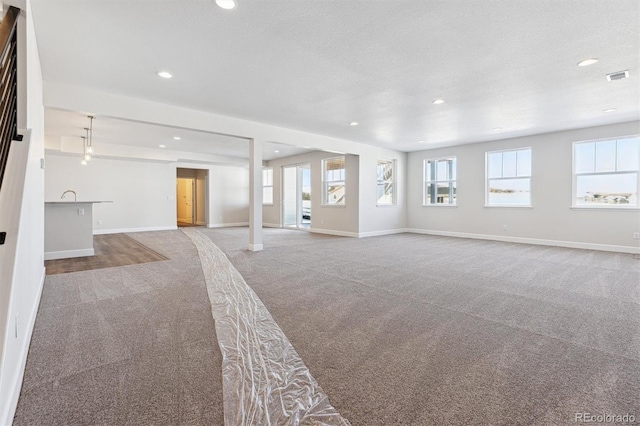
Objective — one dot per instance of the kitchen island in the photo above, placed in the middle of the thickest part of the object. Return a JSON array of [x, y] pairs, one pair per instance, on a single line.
[[68, 229]]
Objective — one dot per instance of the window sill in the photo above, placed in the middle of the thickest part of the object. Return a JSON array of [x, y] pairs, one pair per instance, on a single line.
[[267, 204], [507, 206], [385, 205], [440, 205], [333, 205], [616, 208]]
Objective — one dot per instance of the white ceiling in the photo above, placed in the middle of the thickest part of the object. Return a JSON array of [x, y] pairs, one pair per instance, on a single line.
[[108, 130], [317, 65]]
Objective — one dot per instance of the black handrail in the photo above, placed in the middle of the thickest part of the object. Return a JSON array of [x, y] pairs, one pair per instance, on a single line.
[[8, 86]]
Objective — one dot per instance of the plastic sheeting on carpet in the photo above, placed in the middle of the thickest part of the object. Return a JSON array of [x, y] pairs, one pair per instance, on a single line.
[[265, 381]]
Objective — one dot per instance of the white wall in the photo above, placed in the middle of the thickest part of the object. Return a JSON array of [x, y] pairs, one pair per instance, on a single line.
[[228, 196], [21, 204], [341, 220], [143, 192], [551, 219]]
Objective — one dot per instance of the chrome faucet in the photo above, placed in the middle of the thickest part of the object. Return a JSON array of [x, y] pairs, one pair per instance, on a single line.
[[75, 196]]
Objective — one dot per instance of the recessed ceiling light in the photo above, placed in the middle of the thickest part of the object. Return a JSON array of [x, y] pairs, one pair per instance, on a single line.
[[438, 101], [497, 128], [587, 62], [276, 151], [176, 138], [353, 123], [420, 141], [226, 4], [164, 74], [608, 110], [162, 146]]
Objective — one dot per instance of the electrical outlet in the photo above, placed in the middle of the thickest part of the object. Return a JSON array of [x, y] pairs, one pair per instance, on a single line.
[[504, 227], [99, 221], [636, 235], [80, 212]]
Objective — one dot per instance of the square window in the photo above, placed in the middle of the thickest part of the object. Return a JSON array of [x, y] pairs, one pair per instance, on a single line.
[[509, 178], [605, 173]]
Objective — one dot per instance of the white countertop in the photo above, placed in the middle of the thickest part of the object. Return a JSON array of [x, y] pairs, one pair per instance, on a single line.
[[75, 202]]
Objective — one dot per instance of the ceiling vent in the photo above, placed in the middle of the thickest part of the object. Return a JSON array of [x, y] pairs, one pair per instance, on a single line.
[[620, 75]]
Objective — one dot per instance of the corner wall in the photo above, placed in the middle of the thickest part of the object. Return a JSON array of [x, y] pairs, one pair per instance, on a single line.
[[551, 220], [338, 220]]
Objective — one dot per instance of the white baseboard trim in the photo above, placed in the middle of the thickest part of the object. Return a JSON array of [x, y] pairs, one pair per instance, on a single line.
[[270, 225], [227, 225], [256, 247], [383, 232], [535, 241], [125, 230], [9, 410], [66, 254], [334, 232]]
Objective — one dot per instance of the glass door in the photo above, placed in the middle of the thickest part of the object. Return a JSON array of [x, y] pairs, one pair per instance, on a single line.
[[296, 194]]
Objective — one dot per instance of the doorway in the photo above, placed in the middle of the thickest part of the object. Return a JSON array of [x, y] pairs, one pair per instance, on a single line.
[[191, 205], [296, 195]]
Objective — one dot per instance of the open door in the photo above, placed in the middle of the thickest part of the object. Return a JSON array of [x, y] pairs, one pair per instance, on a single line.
[[185, 205]]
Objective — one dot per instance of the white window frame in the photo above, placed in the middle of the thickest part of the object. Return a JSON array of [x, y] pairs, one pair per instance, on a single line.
[[426, 181], [574, 176], [488, 179], [392, 181], [325, 182], [264, 185]]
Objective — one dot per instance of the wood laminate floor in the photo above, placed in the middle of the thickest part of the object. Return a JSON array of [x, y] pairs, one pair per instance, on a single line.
[[111, 250]]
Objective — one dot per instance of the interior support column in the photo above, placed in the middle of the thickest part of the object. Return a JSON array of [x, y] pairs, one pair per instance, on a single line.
[[255, 195]]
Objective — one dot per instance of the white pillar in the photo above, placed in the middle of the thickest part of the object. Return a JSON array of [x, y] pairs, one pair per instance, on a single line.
[[255, 195]]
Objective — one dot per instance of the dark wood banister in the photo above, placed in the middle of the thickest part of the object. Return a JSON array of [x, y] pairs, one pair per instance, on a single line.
[[8, 26], [8, 90]]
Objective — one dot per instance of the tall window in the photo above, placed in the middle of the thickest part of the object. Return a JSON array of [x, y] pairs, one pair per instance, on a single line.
[[333, 178], [267, 185], [440, 181], [509, 178], [386, 182], [605, 173]]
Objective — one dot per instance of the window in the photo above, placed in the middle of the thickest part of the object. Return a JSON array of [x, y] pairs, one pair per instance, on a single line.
[[440, 182], [333, 178], [267, 185], [386, 182], [509, 178], [605, 173]]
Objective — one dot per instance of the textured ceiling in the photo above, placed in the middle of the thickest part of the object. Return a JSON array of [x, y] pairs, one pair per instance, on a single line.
[[317, 65]]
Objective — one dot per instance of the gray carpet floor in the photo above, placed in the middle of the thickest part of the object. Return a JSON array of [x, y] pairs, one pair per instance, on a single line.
[[127, 345], [402, 329], [414, 329]]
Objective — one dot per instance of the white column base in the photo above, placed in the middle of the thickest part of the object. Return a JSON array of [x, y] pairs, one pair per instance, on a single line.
[[256, 247]]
